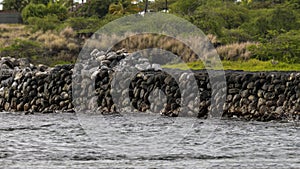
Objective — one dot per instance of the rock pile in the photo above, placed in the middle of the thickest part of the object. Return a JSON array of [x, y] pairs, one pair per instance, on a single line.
[[263, 96], [29, 88], [120, 82], [130, 82]]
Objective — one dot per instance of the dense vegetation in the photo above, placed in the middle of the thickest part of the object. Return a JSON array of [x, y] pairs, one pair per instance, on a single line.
[[249, 29]]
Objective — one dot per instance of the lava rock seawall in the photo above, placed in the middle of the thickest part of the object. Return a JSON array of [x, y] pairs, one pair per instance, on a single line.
[[261, 96]]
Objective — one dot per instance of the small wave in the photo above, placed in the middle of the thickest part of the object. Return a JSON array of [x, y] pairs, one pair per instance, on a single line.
[[167, 157], [5, 154], [19, 128]]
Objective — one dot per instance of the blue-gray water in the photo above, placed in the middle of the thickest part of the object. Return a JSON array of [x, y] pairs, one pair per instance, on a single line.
[[59, 141]]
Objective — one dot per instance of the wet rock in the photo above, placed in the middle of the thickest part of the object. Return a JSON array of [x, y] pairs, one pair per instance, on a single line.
[[250, 85], [24, 62], [261, 101], [236, 98], [26, 107], [20, 107], [279, 110], [260, 93], [245, 93], [6, 106], [251, 96], [233, 91]]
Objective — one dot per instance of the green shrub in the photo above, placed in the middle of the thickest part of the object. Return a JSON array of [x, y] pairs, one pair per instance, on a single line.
[[233, 15], [41, 10], [208, 21], [235, 36], [16, 5], [84, 25], [212, 19], [284, 47], [45, 2], [49, 22], [283, 19], [263, 21], [185, 7], [97, 8], [33, 10], [58, 10], [294, 4]]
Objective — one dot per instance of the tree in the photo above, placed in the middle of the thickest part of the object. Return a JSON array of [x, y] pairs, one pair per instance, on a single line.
[[54, 8], [284, 47], [282, 19], [146, 6], [207, 20], [186, 7], [45, 2], [41, 10], [160, 5], [116, 8], [95, 8], [34, 10], [246, 2], [123, 7], [295, 4], [16, 5]]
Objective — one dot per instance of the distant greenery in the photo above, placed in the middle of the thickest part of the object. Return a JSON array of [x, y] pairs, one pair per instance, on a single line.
[[284, 47], [270, 26], [41, 11], [48, 22]]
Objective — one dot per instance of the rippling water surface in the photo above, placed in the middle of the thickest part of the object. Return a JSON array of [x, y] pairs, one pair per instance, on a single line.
[[130, 141]]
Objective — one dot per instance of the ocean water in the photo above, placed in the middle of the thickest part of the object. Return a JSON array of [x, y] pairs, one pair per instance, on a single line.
[[144, 141]]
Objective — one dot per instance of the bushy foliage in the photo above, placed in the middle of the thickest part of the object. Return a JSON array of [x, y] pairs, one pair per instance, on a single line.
[[58, 10], [207, 21], [213, 19], [84, 25], [272, 25], [282, 19], [235, 36], [94, 8], [16, 5], [285, 48], [231, 16], [49, 22], [41, 10], [294, 4], [45, 2], [186, 7], [160, 5], [278, 19], [34, 10]]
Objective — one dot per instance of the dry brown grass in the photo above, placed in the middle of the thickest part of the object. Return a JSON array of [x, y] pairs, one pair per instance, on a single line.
[[54, 46], [236, 51], [147, 41], [10, 32], [138, 42], [66, 40], [58, 40], [212, 38], [68, 33]]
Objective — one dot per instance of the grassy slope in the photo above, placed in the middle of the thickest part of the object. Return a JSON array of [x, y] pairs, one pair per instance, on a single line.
[[10, 32], [251, 65]]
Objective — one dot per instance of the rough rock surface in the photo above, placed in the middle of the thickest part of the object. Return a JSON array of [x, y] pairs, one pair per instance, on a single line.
[[261, 96]]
